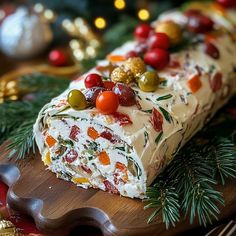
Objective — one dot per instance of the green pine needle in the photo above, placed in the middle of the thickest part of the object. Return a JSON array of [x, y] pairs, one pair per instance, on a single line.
[[18, 117]]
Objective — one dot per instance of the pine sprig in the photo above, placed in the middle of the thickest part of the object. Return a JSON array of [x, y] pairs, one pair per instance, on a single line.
[[18, 117], [165, 200], [22, 140], [221, 153], [191, 178]]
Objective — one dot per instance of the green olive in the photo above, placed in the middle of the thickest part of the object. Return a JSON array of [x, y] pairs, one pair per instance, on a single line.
[[76, 99], [149, 81]]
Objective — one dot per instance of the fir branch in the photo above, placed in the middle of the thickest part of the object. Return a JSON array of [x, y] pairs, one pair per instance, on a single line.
[[18, 117], [190, 179], [221, 154], [22, 140], [165, 200]]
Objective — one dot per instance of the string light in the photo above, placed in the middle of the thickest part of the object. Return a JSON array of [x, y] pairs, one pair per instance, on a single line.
[[38, 7], [143, 14], [100, 23], [49, 15], [119, 4]]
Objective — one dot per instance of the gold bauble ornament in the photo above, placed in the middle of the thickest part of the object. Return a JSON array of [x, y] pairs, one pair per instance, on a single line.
[[119, 74], [8, 229], [136, 65], [172, 29]]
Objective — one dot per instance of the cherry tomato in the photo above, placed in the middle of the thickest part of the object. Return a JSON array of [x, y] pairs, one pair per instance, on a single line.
[[157, 58], [107, 102], [142, 31], [93, 80], [159, 40], [57, 58]]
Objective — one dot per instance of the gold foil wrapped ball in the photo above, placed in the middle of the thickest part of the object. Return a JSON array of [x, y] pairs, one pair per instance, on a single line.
[[172, 29], [119, 74], [136, 65], [7, 228]]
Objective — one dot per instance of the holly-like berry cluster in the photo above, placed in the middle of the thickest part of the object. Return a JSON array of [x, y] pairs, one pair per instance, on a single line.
[[106, 96], [154, 45]]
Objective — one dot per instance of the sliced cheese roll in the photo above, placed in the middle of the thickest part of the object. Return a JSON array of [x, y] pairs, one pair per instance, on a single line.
[[124, 152]]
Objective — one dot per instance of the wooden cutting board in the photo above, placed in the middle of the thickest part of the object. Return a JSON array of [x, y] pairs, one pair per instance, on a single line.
[[58, 206]]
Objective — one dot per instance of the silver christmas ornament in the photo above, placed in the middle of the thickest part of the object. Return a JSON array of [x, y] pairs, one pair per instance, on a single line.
[[24, 34]]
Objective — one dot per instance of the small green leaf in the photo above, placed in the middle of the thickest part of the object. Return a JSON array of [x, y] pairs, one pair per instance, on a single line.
[[165, 97], [158, 138], [146, 138], [147, 111], [166, 114], [120, 148]]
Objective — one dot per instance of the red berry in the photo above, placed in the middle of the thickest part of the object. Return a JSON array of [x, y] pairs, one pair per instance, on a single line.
[[125, 94], [157, 58], [108, 85], [92, 93], [198, 23], [142, 31], [107, 102], [57, 58], [159, 40], [211, 50], [227, 3], [131, 54], [93, 80]]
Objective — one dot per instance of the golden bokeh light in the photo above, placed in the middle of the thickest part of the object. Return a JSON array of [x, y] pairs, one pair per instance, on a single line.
[[119, 4], [143, 14], [100, 22]]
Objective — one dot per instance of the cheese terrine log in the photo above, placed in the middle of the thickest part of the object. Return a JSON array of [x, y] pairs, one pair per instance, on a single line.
[[123, 151]]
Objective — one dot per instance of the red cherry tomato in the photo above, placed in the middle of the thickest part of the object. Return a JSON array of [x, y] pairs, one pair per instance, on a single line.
[[157, 58], [108, 85], [159, 40], [227, 3], [93, 80], [57, 58], [142, 31], [107, 102]]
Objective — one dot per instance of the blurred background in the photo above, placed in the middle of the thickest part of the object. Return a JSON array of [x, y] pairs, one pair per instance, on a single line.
[[65, 32]]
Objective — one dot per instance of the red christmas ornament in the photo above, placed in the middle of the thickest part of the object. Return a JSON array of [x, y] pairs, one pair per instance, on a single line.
[[142, 32], [57, 58], [159, 40], [157, 58], [227, 3]]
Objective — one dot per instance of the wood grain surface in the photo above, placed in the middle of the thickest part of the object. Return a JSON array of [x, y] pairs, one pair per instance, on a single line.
[[58, 206]]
